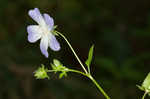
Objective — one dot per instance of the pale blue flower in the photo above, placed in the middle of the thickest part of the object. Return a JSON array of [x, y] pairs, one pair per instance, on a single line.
[[42, 31]]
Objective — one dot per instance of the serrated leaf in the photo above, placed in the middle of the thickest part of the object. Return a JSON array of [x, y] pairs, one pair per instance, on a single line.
[[88, 61]]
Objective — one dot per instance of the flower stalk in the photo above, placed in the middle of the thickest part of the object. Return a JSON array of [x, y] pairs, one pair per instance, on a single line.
[[87, 73], [72, 51]]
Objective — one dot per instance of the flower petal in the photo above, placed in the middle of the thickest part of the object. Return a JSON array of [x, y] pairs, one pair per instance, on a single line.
[[49, 21], [44, 46], [53, 43], [36, 15], [34, 33]]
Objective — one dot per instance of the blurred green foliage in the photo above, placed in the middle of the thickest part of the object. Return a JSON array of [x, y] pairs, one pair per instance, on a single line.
[[119, 29]]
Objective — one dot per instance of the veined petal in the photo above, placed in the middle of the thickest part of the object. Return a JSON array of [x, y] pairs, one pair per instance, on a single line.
[[34, 33], [44, 45], [53, 43], [36, 15], [49, 21]]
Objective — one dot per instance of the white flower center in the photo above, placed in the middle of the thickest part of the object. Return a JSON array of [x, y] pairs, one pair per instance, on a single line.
[[45, 30]]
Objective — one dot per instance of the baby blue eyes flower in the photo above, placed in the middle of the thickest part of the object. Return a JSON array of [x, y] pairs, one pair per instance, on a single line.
[[42, 31]]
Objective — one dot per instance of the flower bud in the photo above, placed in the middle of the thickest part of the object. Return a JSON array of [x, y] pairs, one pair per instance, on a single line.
[[41, 73]]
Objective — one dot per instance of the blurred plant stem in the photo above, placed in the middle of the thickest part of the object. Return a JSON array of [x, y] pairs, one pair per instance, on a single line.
[[87, 74], [144, 95]]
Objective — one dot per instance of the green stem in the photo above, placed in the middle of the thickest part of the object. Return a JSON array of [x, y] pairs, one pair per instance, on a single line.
[[69, 70], [87, 74], [93, 80], [73, 51], [99, 87], [76, 71], [144, 95]]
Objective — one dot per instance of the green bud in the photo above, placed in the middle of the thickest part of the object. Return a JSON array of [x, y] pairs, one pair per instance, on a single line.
[[57, 66], [41, 73], [56, 62]]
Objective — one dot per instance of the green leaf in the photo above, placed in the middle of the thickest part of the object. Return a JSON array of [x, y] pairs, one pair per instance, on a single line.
[[146, 83], [88, 61], [141, 88], [63, 74]]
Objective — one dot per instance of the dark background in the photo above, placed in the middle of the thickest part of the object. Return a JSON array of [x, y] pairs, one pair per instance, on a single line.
[[120, 30]]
